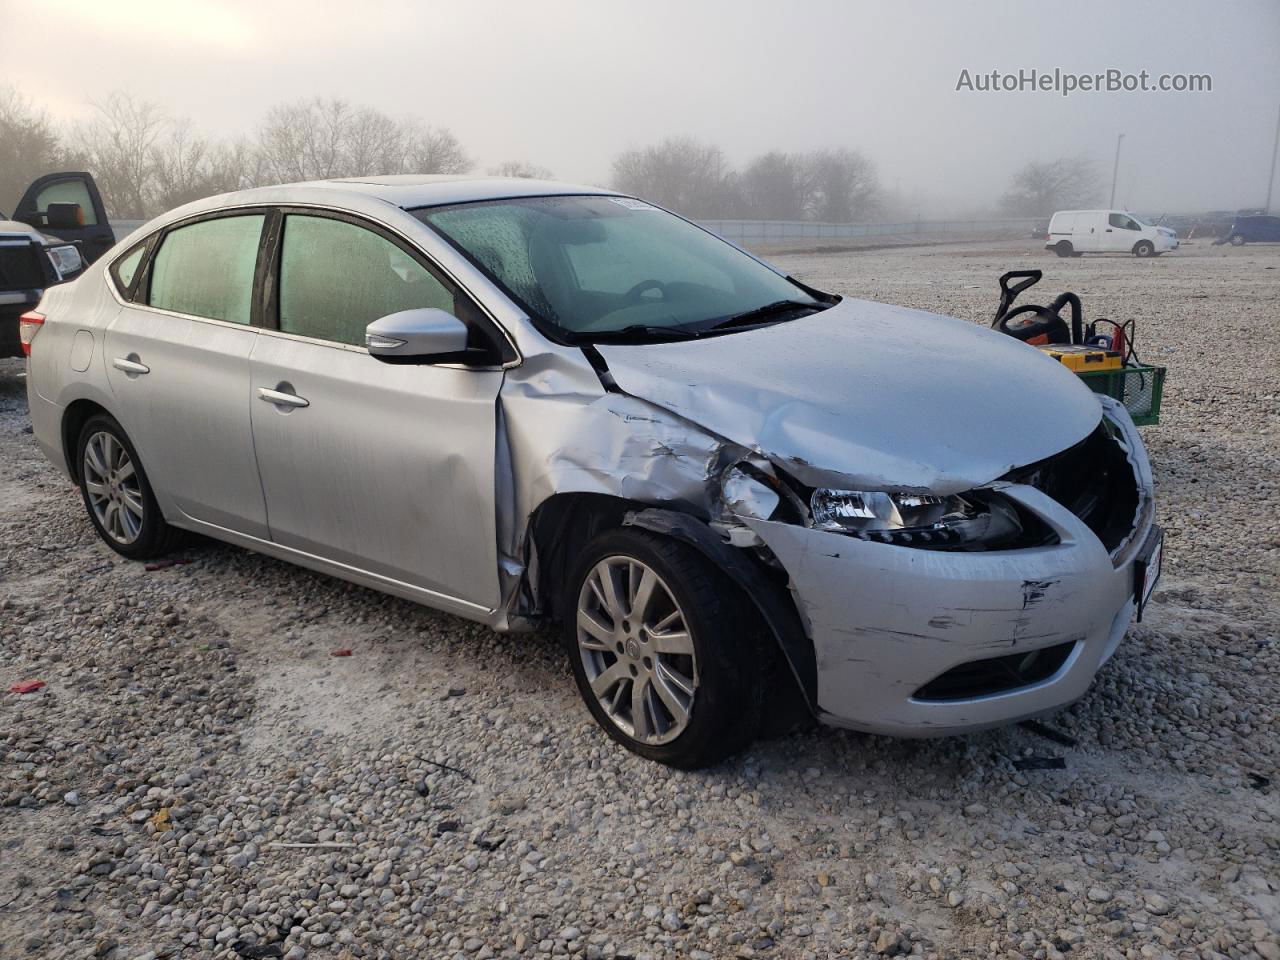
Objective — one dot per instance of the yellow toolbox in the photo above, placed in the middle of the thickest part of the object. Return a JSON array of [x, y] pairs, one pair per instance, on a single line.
[[1083, 358]]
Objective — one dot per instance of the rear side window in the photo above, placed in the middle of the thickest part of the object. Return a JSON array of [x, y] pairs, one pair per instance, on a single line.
[[336, 278], [206, 269], [68, 191]]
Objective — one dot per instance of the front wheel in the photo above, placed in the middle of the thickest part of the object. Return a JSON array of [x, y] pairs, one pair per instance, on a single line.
[[117, 494], [665, 656], [1237, 240], [1143, 248]]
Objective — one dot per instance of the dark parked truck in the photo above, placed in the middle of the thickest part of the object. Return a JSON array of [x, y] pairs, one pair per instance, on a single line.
[[58, 228]]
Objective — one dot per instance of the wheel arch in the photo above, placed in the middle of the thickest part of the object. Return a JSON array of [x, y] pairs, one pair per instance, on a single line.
[[564, 523], [74, 417]]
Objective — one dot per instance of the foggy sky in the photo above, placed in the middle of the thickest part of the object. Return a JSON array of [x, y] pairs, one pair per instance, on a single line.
[[568, 84]]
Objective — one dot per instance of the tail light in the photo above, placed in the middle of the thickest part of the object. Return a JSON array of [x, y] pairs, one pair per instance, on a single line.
[[29, 325]]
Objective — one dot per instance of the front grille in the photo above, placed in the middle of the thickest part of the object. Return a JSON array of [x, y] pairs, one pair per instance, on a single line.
[[1094, 480], [20, 267], [982, 678]]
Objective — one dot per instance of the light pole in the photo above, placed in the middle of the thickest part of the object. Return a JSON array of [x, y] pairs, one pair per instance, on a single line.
[[1115, 169], [1275, 148]]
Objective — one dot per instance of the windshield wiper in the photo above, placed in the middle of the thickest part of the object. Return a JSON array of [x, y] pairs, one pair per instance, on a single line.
[[762, 314], [638, 332]]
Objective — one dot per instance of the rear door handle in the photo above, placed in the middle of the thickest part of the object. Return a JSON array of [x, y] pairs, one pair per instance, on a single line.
[[130, 366], [281, 398]]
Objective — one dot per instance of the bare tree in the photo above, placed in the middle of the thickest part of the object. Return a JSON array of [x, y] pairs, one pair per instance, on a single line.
[[518, 168], [683, 174], [189, 168], [432, 150], [374, 144], [774, 187], [304, 140], [28, 145], [119, 145], [320, 139], [1039, 189], [841, 186]]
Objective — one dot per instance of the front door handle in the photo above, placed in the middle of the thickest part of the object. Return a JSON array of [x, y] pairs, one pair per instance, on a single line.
[[130, 366], [280, 398], [1108, 229]]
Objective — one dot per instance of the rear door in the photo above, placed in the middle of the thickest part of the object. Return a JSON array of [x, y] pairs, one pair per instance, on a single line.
[[178, 364], [385, 468], [95, 234]]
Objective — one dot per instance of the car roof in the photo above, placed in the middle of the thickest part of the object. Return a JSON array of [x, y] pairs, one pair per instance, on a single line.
[[373, 195], [408, 191]]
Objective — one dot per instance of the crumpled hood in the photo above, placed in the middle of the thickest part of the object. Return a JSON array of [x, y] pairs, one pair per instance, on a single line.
[[870, 396]]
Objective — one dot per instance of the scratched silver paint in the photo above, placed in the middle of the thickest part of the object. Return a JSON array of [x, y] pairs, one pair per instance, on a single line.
[[421, 481]]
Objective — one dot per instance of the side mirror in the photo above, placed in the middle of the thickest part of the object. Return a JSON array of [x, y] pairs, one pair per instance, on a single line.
[[425, 335], [64, 216]]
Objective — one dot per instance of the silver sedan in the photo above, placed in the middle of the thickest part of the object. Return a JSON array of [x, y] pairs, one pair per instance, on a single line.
[[744, 499]]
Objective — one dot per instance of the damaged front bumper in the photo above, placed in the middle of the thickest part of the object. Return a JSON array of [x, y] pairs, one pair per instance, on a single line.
[[914, 642]]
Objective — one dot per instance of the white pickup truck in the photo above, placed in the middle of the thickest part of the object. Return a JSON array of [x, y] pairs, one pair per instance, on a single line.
[[1076, 232]]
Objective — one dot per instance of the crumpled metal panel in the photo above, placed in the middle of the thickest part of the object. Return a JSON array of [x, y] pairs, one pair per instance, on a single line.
[[870, 396], [560, 431], [885, 620]]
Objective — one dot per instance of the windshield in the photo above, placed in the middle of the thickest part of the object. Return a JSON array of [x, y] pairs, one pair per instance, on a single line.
[[612, 267]]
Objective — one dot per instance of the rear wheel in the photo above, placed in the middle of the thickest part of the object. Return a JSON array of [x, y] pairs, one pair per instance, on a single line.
[[1143, 248], [117, 494], [1063, 249], [665, 655]]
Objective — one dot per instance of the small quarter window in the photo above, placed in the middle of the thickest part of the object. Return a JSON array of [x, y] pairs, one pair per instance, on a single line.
[[205, 269], [126, 268]]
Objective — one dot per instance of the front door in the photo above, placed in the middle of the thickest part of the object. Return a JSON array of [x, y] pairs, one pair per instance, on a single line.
[[95, 234], [1121, 233], [178, 364], [385, 468]]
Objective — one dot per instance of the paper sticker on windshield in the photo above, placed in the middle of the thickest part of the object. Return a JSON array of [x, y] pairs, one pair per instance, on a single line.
[[632, 204]]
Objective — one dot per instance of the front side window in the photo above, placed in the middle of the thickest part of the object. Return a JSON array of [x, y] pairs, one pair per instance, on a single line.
[[337, 277], [68, 191], [592, 267], [1123, 222], [205, 269]]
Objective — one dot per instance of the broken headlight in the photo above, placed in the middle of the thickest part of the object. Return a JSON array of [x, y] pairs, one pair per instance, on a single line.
[[914, 520]]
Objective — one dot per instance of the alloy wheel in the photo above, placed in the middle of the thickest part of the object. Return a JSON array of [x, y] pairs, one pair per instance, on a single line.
[[637, 650], [113, 487]]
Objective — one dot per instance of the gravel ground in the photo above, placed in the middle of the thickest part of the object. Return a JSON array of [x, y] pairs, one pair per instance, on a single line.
[[201, 778]]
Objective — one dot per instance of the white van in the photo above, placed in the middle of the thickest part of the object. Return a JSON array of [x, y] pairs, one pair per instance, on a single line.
[[1073, 232]]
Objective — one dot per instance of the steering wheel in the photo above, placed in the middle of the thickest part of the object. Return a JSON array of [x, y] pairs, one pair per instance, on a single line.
[[638, 290]]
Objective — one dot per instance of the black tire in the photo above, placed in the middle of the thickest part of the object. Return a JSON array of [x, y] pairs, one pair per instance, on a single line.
[[1236, 240], [1064, 249], [1143, 248], [154, 537], [728, 640]]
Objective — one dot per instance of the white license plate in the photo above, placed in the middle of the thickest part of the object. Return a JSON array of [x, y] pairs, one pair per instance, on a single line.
[[1150, 573]]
